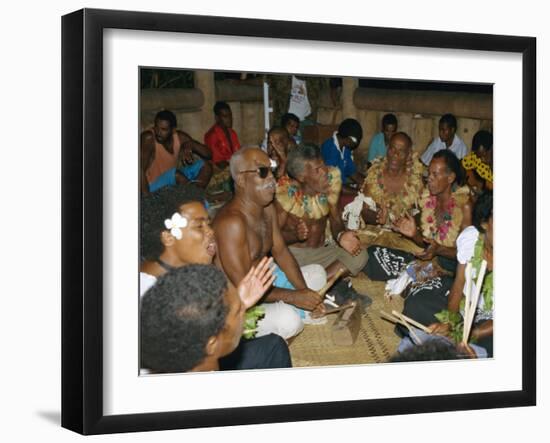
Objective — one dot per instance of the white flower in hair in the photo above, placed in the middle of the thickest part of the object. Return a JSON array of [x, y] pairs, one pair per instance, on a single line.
[[272, 163], [175, 223]]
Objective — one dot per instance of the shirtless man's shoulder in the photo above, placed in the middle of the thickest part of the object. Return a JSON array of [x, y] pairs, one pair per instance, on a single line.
[[228, 216]]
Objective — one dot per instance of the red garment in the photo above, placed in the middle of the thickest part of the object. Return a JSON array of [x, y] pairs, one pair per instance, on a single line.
[[217, 141]]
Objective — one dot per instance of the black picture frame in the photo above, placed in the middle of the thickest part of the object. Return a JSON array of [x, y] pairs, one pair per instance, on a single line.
[[82, 216]]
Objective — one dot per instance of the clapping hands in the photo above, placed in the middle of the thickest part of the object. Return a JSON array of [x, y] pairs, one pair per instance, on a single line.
[[256, 283], [430, 251], [350, 242], [405, 225]]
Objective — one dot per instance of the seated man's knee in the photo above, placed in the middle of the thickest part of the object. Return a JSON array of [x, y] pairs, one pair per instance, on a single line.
[[315, 276], [357, 263], [280, 319], [290, 322]]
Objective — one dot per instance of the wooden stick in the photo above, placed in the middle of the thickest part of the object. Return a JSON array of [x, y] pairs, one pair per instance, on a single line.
[[329, 284], [414, 336], [412, 322], [392, 318], [334, 310], [401, 321], [469, 316], [479, 284], [341, 308]]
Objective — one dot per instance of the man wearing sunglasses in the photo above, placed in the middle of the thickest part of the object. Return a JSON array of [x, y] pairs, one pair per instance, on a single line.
[[246, 230]]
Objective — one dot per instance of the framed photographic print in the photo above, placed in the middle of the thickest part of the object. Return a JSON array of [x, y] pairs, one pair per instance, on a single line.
[[121, 68]]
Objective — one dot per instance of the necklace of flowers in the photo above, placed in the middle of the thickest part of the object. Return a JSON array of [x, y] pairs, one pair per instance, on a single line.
[[442, 228]]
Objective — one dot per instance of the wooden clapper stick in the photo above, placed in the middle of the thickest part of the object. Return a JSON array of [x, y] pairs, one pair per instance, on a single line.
[[323, 291], [402, 319], [331, 281]]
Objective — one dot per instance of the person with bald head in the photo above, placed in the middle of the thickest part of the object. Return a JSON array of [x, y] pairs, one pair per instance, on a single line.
[[246, 230], [393, 182]]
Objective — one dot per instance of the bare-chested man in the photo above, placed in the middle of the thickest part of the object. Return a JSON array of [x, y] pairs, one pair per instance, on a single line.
[[306, 199], [169, 156], [246, 230]]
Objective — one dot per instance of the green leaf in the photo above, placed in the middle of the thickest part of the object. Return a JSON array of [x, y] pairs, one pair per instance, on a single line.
[[443, 316], [455, 318], [251, 318]]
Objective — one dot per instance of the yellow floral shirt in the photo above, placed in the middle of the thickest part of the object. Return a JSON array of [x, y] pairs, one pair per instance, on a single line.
[[293, 200], [401, 202]]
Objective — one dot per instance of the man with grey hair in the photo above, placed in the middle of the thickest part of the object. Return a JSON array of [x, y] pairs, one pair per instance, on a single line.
[[246, 230], [305, 200]]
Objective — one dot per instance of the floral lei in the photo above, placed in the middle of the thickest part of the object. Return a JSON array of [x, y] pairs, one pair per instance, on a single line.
[[446, 231], [293, 200], [402, 201]]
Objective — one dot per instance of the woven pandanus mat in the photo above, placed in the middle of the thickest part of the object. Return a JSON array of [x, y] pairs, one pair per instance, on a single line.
[[384, 237], [376, 341]]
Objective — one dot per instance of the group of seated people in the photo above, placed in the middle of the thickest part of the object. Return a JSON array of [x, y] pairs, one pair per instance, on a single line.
[[282, 236]]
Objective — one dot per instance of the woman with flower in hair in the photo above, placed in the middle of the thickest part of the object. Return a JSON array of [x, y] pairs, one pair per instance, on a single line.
[[175, 231]]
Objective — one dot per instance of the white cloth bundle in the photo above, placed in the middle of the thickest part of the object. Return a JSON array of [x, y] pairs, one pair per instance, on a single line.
[[352, 211], [396, 286]]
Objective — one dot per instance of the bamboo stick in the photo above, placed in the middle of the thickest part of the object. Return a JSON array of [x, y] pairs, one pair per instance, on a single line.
[[471, 314], [467, 291], [399, 320], [412, 322], [392, 318], [340, 308], [475, 298], [413, 334]]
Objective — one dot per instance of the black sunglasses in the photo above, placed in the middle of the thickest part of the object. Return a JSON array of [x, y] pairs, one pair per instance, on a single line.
[[262, 171]]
